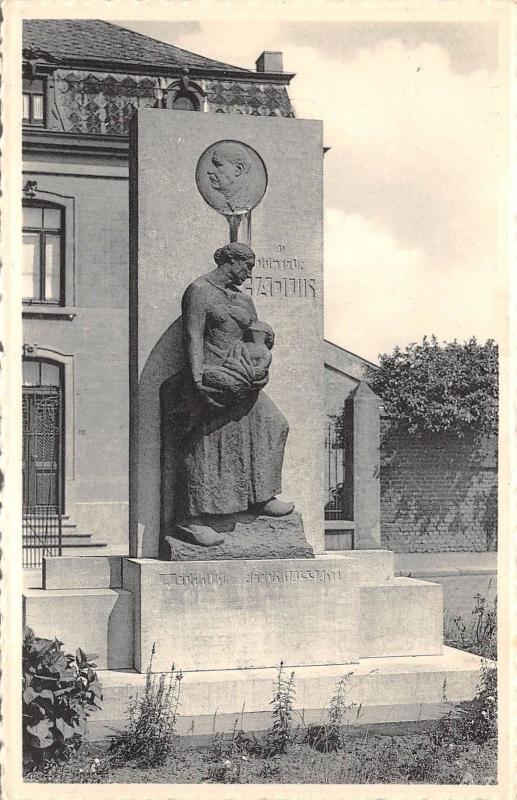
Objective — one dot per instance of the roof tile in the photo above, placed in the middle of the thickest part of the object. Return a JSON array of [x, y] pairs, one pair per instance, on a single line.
[[97, 40]]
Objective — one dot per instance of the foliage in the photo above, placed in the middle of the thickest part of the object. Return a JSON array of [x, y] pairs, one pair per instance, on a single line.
[[479, 635], [81, 767], [280, 735], [59, 693], [328, 737], [150, 737], [231, 756], [432, 388]]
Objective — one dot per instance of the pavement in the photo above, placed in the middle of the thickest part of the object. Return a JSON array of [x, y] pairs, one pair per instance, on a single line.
[[421, 564]]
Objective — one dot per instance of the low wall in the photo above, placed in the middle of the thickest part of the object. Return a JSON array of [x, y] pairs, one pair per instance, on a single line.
[[438, 493]]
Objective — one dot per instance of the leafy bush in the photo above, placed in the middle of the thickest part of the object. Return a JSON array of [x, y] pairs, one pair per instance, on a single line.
[[432, 388], [59, 693], [150, 737]]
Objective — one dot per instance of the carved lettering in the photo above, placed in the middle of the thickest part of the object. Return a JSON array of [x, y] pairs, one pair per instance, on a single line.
[[264, 262], [293, 576], [193, 578], [266, 286]]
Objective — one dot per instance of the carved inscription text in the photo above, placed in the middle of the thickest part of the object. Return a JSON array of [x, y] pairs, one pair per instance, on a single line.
[[295, 575], [267, 286], [193, 578]]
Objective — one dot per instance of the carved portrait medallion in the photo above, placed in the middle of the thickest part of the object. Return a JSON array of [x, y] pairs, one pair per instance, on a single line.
[[231, 177]]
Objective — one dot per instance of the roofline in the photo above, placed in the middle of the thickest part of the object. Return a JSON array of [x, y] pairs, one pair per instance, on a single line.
[[350, 353], [167, 44], [162, 70]]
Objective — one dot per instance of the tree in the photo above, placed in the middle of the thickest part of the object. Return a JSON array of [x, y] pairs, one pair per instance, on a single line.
[[431, 388]]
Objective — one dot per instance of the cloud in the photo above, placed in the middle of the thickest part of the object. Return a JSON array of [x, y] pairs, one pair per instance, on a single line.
[[411, 180], [378, 294], [413, 144]]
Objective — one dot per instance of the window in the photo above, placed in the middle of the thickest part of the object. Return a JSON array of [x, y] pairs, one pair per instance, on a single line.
[[43, 254], [33, 102], [183, 101]]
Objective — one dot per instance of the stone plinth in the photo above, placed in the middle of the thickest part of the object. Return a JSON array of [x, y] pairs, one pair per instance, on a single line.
[[244, 614], [401, 617], [100, 621], [387, 689], [82, 572], [248, 536], [173, 236]]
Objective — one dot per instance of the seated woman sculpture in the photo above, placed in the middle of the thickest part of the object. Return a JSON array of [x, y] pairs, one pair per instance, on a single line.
[[232, 434]]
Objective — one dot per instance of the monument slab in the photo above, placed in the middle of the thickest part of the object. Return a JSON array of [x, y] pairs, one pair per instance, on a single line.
[[240, 614], [175, 232]]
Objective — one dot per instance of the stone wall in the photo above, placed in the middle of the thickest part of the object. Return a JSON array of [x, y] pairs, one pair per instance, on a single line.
[[437, 493]]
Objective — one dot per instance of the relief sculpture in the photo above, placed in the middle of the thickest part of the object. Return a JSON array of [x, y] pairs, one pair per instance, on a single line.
[[231, 177]]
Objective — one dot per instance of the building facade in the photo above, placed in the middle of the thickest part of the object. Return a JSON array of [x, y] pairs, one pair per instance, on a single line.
[[82, 82]]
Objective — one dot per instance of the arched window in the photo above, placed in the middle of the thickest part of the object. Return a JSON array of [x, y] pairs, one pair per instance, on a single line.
[[43, 253], [183, 101], [42, 407]]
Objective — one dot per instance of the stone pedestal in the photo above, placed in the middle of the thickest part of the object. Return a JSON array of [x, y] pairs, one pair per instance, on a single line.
[[248, 536], [244, 614]]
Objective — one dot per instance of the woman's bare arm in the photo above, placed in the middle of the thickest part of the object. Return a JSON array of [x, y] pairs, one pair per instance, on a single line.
[[193, 307]]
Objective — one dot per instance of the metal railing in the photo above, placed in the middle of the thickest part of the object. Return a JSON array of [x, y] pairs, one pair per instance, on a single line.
[[334, 476], [41, 535]]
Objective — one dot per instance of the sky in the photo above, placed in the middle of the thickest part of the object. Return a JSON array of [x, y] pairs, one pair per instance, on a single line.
[[412, 113]]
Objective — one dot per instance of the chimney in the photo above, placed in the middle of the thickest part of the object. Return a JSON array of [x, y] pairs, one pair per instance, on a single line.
[[270, 61]]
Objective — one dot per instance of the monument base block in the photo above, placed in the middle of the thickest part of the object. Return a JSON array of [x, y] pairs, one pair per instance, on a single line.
[[385, 689], [247, 536], [244, 614]]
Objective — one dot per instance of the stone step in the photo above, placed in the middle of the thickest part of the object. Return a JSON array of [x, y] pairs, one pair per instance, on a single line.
[[384, 688], [401, 617]]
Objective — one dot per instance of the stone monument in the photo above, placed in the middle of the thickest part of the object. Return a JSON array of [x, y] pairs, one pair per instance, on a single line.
[[212, 474], [227, 574]]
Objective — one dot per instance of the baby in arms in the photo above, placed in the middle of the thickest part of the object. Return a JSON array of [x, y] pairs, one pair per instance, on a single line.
[[246, 364]]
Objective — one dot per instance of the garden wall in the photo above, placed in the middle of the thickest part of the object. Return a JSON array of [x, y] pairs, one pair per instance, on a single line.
[[438, 493]]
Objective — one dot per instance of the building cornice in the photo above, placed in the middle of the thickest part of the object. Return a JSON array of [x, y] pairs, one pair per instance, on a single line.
[[45, 142], [166, 70]]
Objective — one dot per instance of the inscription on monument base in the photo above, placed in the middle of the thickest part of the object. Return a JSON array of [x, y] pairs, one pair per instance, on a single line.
[[294, 575], [245, 613]]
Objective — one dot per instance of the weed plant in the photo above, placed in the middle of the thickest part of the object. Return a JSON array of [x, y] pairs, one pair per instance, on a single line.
[[327, 737], [477, 635], [150, 738], [281, 734]]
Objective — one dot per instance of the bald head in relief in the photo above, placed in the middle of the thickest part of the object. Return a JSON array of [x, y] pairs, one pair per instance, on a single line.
[[231, 177]]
